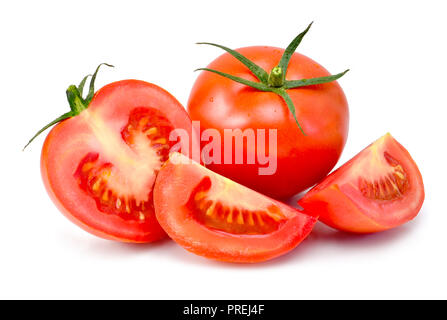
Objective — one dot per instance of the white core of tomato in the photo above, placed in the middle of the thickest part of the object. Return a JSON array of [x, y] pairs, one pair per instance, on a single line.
[[134, 168], [373, 158]]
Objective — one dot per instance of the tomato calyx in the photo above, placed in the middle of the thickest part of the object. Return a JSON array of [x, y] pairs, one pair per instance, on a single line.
[[275, 81], [76, 101]]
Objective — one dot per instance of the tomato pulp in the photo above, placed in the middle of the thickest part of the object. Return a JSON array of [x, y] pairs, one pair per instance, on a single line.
[[99, 167], [379, 189], [302, 159], [220, 219]]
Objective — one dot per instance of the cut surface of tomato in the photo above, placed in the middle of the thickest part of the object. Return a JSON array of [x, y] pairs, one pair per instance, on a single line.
[[99, 167], [379, 189], [220, 219]]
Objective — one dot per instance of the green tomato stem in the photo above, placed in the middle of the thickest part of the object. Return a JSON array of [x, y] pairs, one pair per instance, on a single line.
[[77, 105], [76, 101], [276, 77]]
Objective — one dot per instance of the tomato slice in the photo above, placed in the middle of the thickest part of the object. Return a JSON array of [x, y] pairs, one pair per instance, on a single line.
[[99, 167], [220, 219], [379, 189]]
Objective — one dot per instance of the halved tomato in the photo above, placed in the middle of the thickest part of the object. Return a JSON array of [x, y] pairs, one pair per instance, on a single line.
[[99, 166], [379, 189], [220, 219]]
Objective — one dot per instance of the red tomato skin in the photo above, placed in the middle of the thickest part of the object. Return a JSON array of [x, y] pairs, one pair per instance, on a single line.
[[71, 139], [340, 207], [322, 110], [172, 190]]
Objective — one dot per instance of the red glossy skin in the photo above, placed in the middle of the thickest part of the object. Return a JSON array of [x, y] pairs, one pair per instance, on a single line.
[[221, 238], [322, 111], [343, 201], [98, 129]]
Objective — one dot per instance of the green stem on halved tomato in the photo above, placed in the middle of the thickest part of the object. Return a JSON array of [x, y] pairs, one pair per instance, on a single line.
[[275, 81], [76, 101]]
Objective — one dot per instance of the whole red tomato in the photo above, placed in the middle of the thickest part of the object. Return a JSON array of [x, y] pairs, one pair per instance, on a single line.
[[305, 156]]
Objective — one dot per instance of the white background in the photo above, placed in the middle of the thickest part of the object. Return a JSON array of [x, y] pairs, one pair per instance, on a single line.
[[396, 51]]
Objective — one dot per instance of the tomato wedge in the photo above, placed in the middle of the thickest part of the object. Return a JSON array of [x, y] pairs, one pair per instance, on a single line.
[[220, 219], [99, 166], [379, 189]]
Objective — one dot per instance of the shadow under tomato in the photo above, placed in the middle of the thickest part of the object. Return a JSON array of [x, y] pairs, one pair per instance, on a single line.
[[320, 239], [109, 248], [324, 237]]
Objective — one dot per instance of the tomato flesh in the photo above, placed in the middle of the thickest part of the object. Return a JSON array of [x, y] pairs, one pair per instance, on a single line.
[[220, 219], [100, 166], [379, 189]]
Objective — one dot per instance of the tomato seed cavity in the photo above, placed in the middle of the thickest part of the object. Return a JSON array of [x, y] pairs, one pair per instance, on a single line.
[[390, 187], [93, 174], [236, 220]]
